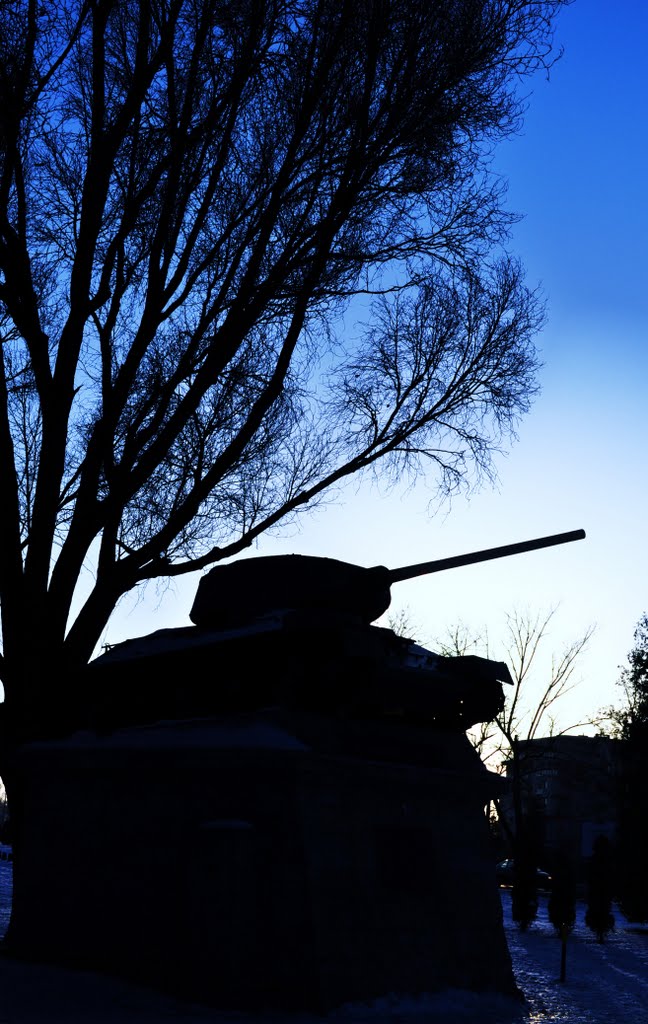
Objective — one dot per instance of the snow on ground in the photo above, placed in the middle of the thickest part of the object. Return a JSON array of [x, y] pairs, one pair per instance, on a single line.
[[606, 984]]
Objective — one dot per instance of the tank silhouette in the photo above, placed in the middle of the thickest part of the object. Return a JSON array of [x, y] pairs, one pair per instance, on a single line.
[[295, 632], [253, 794], [238, 592]]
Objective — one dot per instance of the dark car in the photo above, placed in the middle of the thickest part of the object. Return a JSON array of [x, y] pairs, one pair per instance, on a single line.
[[505, 874]]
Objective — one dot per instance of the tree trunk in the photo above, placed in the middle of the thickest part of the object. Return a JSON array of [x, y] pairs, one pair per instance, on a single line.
[[15, 790], [22, 722]]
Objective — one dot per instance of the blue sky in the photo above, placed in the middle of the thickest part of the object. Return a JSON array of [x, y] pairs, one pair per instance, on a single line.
[[578, 173]]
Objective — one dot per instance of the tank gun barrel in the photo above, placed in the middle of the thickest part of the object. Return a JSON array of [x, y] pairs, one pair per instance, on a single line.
[[408, 572]]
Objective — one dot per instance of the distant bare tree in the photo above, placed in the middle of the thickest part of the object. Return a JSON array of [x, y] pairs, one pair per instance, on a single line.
[[528, 706], [527, 709], [400, 620], [629, 723]]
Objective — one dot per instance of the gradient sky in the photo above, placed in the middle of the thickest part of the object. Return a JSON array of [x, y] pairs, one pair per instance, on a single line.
[[578, 173]]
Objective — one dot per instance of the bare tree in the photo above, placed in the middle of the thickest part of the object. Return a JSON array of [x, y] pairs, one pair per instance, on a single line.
[[191, 194], [538, 685], [521, 718], [504, 743], [538, 682], [629, 723], [401, 621]]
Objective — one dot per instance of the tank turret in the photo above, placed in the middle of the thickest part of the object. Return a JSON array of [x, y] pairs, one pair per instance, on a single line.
[[236, 593], [294, 632]]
